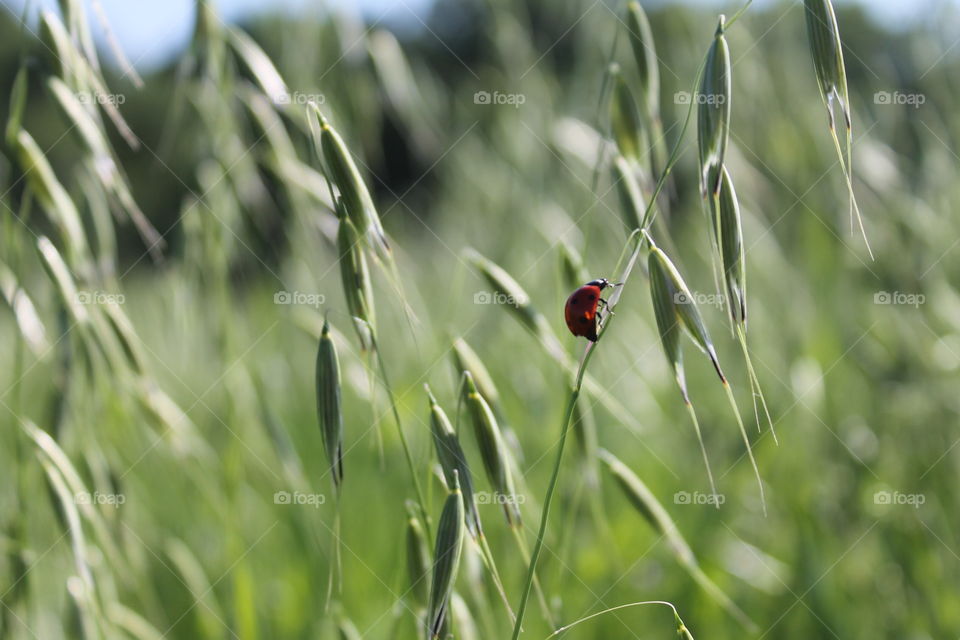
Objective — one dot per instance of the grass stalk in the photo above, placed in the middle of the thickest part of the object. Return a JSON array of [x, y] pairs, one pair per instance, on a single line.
[[421, 503], [564, 431]]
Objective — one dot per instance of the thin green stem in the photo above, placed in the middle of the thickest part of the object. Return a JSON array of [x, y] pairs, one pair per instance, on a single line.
[[564, 430], [403, 438], [737, 15], [517, 530], [565, 628], [649, 214], [548, 501]]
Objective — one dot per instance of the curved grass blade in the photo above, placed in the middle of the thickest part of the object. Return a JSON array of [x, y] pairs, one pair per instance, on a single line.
[[54, 199], [657, 517], [682, 630], [25, 313], [260, 66]]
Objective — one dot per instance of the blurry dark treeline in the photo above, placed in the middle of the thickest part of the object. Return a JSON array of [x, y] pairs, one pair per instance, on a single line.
[[452, 56]]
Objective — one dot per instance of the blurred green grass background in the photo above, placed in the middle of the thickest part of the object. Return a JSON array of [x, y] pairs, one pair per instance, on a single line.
[[861, 387]]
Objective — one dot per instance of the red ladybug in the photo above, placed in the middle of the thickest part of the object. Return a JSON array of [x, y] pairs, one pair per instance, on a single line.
[[583, 311]]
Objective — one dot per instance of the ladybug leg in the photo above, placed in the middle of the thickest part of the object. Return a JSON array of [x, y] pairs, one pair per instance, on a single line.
[[606, 305]]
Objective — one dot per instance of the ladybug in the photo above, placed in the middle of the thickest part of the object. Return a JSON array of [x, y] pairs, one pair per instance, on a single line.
[[584, 309]]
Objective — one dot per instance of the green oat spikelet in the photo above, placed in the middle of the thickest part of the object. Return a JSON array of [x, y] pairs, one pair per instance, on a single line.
[[453, 461], [675, 307], [329, 410], [493, 451], [418, 557], [826, 49], [728, 233], [446, 559], [713, 112], [626, 123], [355, 276]]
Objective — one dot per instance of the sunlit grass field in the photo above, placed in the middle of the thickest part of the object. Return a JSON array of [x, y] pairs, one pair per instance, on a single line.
[[164, 470]]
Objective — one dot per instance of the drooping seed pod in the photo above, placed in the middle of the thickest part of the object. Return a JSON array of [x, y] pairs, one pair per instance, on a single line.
[[728, 232], [626, 124], [669, 293], [466, 359], [329, 411], [668, 290], [493, 452], [343, 172], [631, 199], [446, 560], [453, 462], [645, 54], [418, 557], [676, 308], [573, 272], [514, 298], [355, 277], [826, 49], [713, 112]]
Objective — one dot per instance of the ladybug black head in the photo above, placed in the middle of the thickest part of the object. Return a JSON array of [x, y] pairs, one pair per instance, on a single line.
[[601, 284]]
